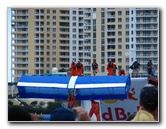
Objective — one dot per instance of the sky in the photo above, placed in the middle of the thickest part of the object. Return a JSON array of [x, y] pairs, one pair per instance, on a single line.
[[74, 3]]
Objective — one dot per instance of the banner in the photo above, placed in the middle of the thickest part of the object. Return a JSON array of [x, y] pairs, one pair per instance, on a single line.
[[120, 109]]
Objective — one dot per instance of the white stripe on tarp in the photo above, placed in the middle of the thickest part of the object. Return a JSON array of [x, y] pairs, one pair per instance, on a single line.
[[58, 85], [72, 81], [108, 85]]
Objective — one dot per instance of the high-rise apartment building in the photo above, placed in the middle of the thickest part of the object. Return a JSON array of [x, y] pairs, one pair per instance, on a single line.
[[43, 38]]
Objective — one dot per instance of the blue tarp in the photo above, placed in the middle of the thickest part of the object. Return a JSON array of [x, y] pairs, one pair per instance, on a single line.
[[85, 87]]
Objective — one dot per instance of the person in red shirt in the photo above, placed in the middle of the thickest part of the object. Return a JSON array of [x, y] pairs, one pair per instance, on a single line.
[[73, 69], [95, 109], [121, 72], [110, 68], [80, 68]]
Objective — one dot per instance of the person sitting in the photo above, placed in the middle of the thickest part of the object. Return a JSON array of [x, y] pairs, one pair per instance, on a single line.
[[121, 72]]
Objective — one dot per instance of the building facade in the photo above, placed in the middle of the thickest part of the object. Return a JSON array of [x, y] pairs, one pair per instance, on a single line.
[[44, 38]]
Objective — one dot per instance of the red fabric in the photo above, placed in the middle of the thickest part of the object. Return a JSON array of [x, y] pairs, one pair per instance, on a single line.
[[95, 109], [121, 72], [110, 69], [73, 69], [71, 100]]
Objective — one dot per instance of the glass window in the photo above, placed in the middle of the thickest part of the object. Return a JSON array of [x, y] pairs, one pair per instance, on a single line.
[[119, 26], [119, 13], [119, 53], [54, 11], [119, 19], [102, 61], [119, 46], [102, 68]]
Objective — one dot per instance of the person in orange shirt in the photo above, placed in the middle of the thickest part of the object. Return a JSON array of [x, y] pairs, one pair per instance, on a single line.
[[73, 69], [110, 68], [71, 101], [121, 72], [95, 109], [80, 68]]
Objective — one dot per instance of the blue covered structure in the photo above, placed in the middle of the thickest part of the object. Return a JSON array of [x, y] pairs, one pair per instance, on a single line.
[[84, 87]]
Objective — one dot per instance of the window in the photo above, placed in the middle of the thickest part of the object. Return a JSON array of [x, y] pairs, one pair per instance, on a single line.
[[48, 23], [54, 23], [74, 36], [119, 46], [54, 47], [54, 35], [127, 33], [119, 19], [127, 46], [74, 30], [102, 41], [48, 17], [127, 12], [48, 53], [102, 61], [102, 68], [131, 25], [119, 60], [48, 11], [102, 21], [94, 48], [119, 26], [74, 53], [74, 24], [119, 40], [102, 34], [102, 48], [54, 53], [94, 21], [102, 14], [127, 26], [119, 13], [54, 11], [127, 59], [54, 41], [102, 28], [48, 41], [119, 33], [53, 59], [132, 19], [94, 9], [94, 34], [54, 17], [132, 46], [53, 29], [74, 41], [94, 41], [127, 19], [48, 47], [74, 12], [102, 54], [74, 48], [127, 40], [48, 29], [119, 53], [48, 59], [94, 28], [53, 65], [74, 18]]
